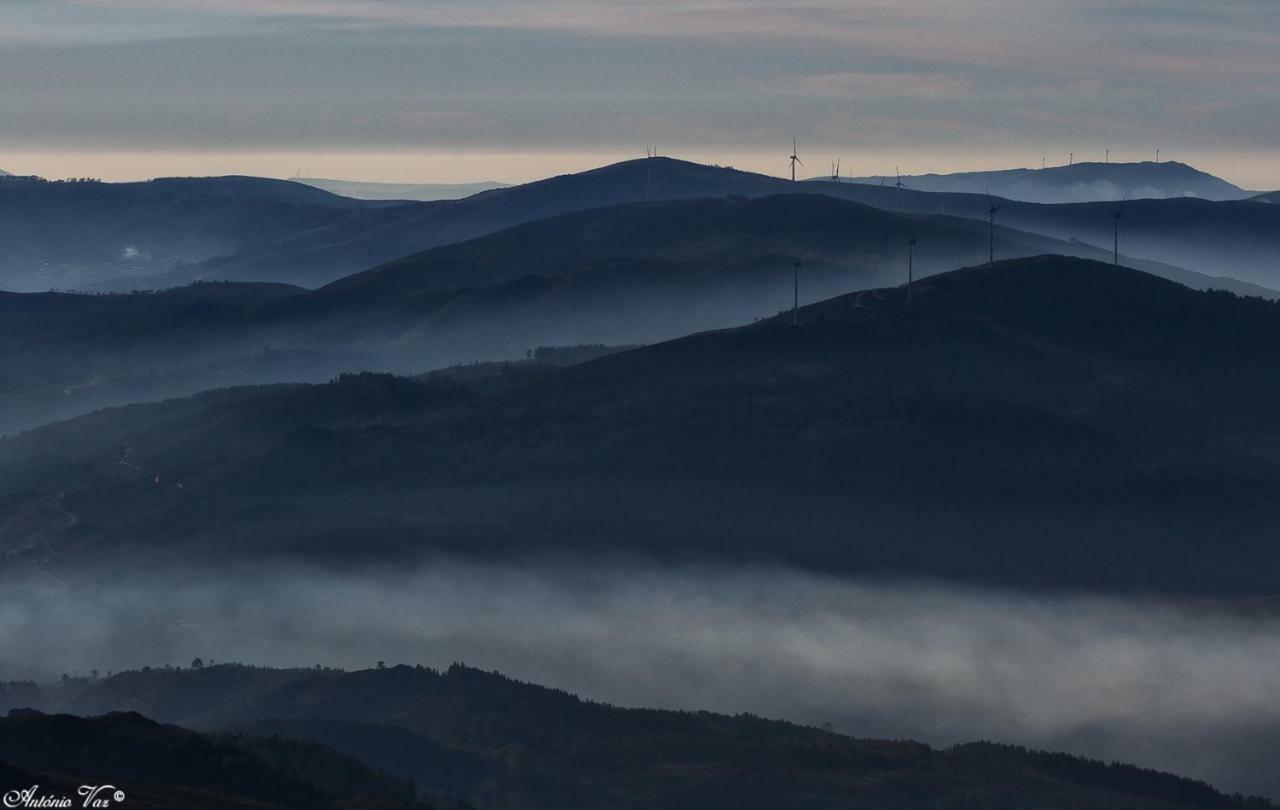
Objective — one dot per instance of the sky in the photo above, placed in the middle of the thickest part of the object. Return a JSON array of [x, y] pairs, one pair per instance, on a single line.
[[511, 90]]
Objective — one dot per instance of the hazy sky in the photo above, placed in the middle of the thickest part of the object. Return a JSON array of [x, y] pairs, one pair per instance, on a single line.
[[513, 89]]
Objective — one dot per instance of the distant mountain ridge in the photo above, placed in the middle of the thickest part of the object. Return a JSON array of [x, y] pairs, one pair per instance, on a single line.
[[1079, 182], [422, 192], [1191, 233], [313, 241]]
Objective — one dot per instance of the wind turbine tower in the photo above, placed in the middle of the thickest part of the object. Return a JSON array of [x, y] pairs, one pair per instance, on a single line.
[[900, 186], [992, 208], [795, 301], [835, 171], [794, 160]]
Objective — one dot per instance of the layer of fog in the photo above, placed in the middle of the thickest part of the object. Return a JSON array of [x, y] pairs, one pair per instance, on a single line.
[[1188, 688]]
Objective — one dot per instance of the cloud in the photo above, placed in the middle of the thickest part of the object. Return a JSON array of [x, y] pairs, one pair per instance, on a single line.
[[1184, 687], [859, 85], [946, 78]]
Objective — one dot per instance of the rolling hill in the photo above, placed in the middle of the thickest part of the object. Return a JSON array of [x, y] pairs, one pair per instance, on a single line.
[[1120, 420], [494, 742], [1080, 182], [622, 275], [1218, 239], [87, 234], [169, 233]]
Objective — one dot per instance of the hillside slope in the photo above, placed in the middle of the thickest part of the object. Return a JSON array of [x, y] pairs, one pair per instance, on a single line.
[[622, 275], [1122, 421]]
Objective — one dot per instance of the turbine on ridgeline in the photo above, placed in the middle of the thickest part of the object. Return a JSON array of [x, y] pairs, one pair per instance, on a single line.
[[992, 208], [1119, 214], [650, 152], [835, 171], [899, 185], [794, 160]]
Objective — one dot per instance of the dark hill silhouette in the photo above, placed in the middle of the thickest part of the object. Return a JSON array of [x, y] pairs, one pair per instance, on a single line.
[[1080, 182], [1269, 197], [158, 765], [1118, 419], [515, 744]]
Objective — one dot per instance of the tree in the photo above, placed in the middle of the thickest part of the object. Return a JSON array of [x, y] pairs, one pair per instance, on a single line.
[[197, 663]]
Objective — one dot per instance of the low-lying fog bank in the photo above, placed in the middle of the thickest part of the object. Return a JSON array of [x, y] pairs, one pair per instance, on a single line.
[[1192, 689]]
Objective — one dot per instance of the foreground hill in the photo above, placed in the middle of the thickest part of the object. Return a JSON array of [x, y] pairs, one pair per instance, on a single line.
[[1048, 422], [1080, 182], [496, 743], [86, 234], [156, 766]]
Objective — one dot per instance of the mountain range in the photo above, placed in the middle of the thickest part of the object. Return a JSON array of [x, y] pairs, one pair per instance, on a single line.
[[1117, 418], [324, 240], [620, 275], [1078, 182], [1235, 239], [464, 738]]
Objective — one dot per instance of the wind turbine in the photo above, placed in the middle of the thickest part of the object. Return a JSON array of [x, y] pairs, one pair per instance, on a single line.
[[795, 305], [1118, 216], [992, 208], [835, 171], [900, 186], [794, 160]]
